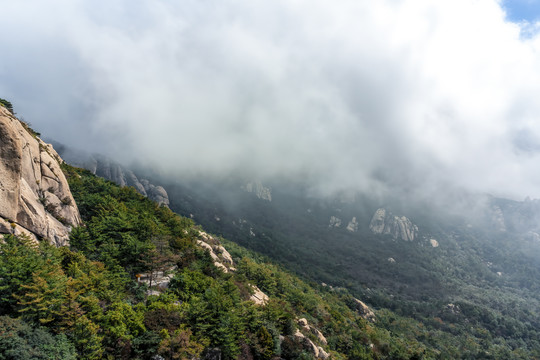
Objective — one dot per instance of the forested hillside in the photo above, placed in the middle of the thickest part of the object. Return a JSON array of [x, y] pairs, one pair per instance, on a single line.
[[465, 278], [85, 302]]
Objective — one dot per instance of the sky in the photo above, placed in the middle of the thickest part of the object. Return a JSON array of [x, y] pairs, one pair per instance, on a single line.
[[522, 10], [404, 95]]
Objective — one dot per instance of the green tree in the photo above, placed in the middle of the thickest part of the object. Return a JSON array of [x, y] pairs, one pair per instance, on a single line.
[[41, 300], [87, 339]]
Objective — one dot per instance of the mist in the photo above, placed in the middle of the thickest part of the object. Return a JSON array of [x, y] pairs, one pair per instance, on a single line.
[[413, 96]]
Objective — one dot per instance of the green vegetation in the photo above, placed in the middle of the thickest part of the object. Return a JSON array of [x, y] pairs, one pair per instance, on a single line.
[[84, 301], [474, 296], [7, 105]]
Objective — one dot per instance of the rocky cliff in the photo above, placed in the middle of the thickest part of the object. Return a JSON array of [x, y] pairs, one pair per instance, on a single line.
[[257, 188], [106, 168], [34, 195], [399, 227]]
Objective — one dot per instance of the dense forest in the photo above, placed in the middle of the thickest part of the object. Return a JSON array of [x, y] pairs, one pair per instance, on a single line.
[[477, 286], [85, 302]]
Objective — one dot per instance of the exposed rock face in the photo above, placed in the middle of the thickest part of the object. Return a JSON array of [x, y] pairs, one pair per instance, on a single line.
[[257, 188], [222, 259], [155, 193], [334, 222], [353, 225], [34, 194], [434, 243], [258, 297], [106, 168], [399, 227], [303, 323], [115, 172], [497, 218], [364, 310], [308, 345]]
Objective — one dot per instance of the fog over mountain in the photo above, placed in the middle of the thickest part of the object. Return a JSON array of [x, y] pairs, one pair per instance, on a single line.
[[409, 94]]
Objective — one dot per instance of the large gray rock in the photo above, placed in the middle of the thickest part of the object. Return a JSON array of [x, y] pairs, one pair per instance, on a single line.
[[399, 227], [34, 194], [155, 193], [109, 169], [353, 225], [257, 188]]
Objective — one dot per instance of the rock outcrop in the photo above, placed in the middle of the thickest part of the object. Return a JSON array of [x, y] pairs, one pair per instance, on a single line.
[[257, 188], [106, 168], [353, 225], [222, 259], [334, 222], [399, 227], [34, 194], [306, 327], [308, 345], [497, 218], [364, 310], [258, 297]]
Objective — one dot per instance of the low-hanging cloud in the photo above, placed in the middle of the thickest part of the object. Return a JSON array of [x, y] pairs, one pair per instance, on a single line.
[[356, 94]]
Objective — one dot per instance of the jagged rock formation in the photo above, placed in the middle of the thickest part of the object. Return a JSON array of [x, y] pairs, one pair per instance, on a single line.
[[222, 258], [34, 195], [110, 170], [434, 243], [106, 168], [353, 225], [364, 310], [306, 327], [257, 188], [308, 345], [399, 227], [334, 222]]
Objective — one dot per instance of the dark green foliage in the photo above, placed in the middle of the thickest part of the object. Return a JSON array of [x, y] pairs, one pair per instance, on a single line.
[[86, 298], [6, 104], [122, 227], [499, 313], [19, 340]]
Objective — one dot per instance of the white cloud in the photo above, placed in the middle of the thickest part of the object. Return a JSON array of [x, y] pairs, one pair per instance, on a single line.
[[350, 92]]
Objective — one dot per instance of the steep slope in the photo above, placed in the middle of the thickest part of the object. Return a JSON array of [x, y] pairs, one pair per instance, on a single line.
[[204, 302], [447, 266], [34, 195]]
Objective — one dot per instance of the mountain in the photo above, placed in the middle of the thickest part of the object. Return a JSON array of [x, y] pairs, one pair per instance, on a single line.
[[461, 261], [461, 264], [136, 281], [382, 278]]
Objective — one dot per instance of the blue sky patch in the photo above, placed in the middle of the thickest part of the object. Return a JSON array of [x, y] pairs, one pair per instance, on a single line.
[[522, 10]]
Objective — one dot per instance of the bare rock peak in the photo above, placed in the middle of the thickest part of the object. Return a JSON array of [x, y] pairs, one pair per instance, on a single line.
[[399, 227]]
